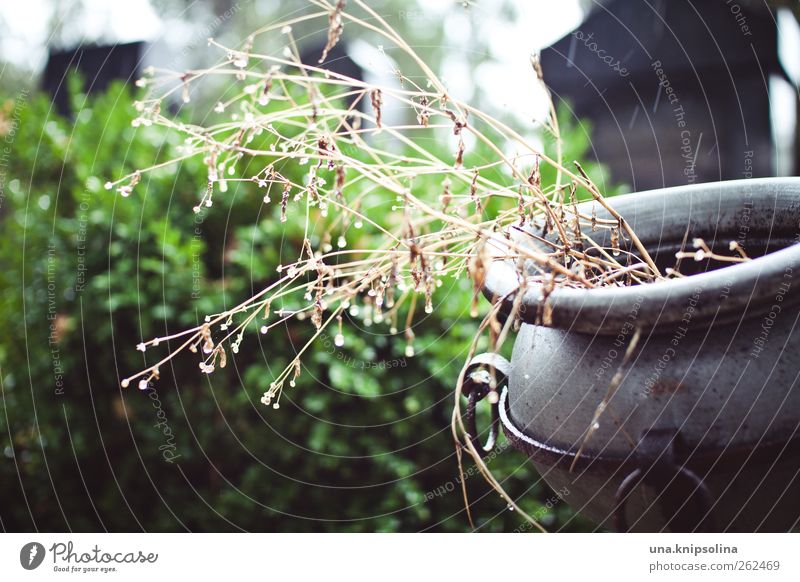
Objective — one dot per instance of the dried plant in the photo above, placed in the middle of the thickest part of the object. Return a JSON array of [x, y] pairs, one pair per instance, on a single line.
[[337, 128]]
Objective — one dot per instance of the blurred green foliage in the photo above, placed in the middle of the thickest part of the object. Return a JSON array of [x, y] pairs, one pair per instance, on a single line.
[[85, 275]]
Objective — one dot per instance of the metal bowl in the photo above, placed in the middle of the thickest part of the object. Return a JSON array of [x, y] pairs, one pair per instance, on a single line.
[[701, 430]]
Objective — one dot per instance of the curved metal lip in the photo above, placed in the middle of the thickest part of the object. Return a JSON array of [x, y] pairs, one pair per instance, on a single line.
[[723, 294], [553, 456]]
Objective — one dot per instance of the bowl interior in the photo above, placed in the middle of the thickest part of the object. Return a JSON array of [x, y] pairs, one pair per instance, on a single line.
[[760, 216]]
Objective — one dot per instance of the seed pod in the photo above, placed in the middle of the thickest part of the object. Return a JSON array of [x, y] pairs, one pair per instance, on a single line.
[[535, 177], [422, 116], [460, 154], [458, 124], [285, 199], [446, 196], [223, 357], [473, 192], [335, 28], [376, 98], [615, 241], [340, 177]]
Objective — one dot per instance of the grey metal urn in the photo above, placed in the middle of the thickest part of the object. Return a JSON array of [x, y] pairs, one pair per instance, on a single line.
[[702, 428]]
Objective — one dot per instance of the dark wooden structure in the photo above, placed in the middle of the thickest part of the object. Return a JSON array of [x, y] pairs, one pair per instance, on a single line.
[[98, 65], [677, 91]]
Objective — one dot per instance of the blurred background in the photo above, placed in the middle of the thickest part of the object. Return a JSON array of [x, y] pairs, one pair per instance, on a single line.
[[356, 445]]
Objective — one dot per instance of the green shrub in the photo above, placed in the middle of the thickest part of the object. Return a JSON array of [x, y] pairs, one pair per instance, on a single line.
[[86, 275]]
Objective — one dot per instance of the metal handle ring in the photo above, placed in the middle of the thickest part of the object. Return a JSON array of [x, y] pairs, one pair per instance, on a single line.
[[476, 388], [637, 476]]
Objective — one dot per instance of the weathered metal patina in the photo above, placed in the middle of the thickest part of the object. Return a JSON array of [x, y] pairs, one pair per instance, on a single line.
[[701, 430]]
